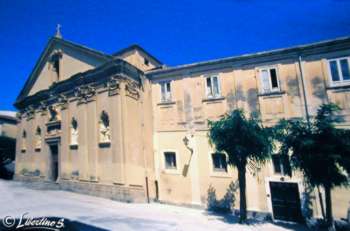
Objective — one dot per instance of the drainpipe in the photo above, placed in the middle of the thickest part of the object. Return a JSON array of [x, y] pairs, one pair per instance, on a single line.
[[304, 91]]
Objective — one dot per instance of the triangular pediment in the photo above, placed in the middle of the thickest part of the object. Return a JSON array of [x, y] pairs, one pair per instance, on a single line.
[[73, 58]]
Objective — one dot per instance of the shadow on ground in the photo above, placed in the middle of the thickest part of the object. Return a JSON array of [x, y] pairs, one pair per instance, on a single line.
[[231, 218]]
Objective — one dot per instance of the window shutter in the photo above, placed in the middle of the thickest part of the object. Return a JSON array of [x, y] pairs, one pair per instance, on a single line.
[[265, 81], [162, 86], [216, 86]]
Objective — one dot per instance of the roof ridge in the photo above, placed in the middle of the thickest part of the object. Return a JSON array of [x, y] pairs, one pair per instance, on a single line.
[[137, 46], [249, 55]]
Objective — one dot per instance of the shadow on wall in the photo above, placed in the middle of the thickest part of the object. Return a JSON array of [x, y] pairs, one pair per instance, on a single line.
[[319, 90], [224, 205], [250, 97]]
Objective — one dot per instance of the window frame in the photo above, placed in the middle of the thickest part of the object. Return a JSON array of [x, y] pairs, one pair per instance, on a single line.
[[218, 174], [268, 69], [166, 170], [166, 164], [221, 170], [211, 77], [283, 169], [340, 71], [166, 99]]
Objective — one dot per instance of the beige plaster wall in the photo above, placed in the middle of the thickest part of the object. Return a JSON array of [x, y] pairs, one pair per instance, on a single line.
[[240, 88], [72, 62], [137, 58]]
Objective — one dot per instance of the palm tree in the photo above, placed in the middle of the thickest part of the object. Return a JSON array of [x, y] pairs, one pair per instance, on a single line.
[[246, 142], [319, 150]]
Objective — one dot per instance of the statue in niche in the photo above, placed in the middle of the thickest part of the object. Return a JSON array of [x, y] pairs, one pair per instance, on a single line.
[[24, 141], [38, 138], [105, 132], [53, 113], [74, 132]]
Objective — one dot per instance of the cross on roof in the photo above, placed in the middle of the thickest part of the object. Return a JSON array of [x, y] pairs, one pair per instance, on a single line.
[[58, 31]]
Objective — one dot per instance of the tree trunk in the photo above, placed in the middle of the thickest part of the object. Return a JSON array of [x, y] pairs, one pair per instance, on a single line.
[[321, 202], [242, 194], [329, 213]]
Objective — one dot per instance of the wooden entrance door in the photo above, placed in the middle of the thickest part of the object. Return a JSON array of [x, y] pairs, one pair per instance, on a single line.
[[285, 201], [54, 162]]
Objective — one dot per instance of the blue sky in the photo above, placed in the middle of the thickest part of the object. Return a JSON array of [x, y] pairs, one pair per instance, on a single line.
[[176, 32]]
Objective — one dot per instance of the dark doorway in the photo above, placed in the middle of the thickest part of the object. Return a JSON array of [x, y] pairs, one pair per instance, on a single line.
[[285, 201], [54, 163]]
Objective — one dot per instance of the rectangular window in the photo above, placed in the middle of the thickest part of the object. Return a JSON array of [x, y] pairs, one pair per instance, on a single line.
[[339, 70], [219, 162], [212, 87], [281, 164], [165, 92], [269, 80], [170, 160]]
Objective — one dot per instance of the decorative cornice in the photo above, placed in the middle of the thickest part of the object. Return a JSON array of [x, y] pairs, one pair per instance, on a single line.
[[132, 89], [43, 107], [29, 112], [62, 101], [113, 85], [96, 78], [85, 94]]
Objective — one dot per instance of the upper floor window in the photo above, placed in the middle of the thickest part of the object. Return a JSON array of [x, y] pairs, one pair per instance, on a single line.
[[165, 91], [339, 70], [170, 160], [212, 87], [281, 164], [269, 80], [219, 162]]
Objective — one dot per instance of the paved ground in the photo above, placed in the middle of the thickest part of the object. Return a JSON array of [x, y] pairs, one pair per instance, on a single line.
[[103, 214]]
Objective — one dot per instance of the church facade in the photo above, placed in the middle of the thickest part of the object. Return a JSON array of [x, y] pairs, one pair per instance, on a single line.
[[127, 127]]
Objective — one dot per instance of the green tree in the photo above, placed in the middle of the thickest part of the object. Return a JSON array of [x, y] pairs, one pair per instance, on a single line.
[[247, 144], [319, 150]]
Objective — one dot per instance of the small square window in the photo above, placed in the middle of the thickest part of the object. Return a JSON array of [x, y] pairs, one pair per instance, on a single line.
[[219, 162], [170, 160]]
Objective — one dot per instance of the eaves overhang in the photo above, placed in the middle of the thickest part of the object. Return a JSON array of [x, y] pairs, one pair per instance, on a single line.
[[254, 58]]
